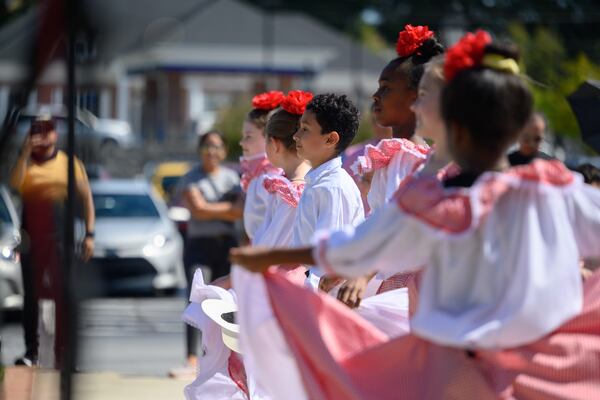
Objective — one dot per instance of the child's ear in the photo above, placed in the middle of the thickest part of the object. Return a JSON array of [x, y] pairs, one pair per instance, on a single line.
[[333, 138]]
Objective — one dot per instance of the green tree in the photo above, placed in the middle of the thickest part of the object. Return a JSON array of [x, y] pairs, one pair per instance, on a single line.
[[554, 74]]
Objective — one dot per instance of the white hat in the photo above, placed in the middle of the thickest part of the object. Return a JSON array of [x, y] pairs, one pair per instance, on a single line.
[[223, 313]]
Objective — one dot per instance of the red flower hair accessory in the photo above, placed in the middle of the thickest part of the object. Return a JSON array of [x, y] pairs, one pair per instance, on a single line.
[[411, 38], [296, 100], [268, 100], [467, 53]]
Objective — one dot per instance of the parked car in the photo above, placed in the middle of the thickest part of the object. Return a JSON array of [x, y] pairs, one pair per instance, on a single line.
[[111, 134], [165, 175], [11, 285], [137, 246]]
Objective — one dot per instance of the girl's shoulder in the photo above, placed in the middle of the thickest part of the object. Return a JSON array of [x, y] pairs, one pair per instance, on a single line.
[[289, 192], [380, 155], [459, 209]]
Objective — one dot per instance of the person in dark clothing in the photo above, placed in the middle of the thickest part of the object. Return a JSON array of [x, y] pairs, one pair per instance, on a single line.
[[530, 141]]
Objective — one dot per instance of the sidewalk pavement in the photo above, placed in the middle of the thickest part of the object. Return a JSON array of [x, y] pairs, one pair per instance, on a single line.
[[23, 383]]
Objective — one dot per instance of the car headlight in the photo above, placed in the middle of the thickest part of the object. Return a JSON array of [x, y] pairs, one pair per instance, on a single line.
[[9, 254], [159, 240]]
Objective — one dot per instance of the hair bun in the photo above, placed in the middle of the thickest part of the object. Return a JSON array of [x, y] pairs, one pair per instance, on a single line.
[[429, 49]]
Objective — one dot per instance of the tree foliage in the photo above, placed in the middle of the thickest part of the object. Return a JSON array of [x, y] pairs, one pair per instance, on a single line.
[[555, 74]]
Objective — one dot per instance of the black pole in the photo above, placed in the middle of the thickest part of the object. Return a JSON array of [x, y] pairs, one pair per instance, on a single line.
[[70, 312]]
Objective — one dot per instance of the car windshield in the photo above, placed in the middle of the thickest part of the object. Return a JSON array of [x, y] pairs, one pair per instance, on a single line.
[[124, 206]]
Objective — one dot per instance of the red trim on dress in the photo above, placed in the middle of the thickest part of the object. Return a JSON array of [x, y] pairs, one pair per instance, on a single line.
[[255, 167], [451, 210], [237, 372], [552, 172], [290, 192]]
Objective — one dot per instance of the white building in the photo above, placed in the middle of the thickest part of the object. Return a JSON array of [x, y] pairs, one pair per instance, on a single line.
[[168, 66]]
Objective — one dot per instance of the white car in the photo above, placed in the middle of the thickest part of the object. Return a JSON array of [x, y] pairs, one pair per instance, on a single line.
[[137, 246], [11, 284], [113, 133]]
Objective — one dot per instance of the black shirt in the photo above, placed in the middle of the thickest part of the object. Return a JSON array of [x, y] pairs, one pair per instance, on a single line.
[[516, 158]]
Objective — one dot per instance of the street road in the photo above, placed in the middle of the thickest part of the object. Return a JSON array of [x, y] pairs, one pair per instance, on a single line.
[[135, 336]]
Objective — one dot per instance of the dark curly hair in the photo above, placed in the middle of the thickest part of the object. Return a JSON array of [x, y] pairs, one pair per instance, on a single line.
[[413, 66], [336, 113], [494, 106], [590, 173]]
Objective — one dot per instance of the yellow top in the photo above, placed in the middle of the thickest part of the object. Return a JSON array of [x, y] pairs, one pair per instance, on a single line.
[[48, 181]]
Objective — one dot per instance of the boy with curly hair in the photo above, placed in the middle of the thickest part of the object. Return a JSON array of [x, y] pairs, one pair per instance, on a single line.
[[331, 198]]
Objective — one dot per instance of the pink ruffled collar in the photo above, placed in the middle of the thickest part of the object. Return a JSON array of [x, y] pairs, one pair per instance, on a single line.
[[253, 167], [379, 156], [289, 191], [451, 209]]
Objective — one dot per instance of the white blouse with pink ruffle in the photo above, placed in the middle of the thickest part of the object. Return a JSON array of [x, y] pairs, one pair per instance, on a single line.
[[392, 160], [254, 170], [276, 229], [501, 257]]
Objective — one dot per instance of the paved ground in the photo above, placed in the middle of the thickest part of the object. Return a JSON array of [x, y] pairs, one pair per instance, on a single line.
[[127, 347]]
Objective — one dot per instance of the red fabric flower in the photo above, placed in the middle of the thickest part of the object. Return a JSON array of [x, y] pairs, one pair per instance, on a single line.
[[268, 101], [411, 38], [467, 53], [296, 100]]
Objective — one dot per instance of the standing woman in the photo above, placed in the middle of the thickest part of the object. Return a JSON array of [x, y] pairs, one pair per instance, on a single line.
[[210, 193]]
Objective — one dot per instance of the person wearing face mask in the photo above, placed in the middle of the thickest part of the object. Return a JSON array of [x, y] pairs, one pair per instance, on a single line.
[[40, 176]]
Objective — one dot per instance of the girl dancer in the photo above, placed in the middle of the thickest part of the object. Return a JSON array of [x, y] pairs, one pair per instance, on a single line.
[[497, 243], [254, 163], [223, 373]]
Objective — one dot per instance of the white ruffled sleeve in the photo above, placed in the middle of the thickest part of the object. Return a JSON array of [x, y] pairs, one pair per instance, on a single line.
[[586, 201], [398, 158], [388, 241]]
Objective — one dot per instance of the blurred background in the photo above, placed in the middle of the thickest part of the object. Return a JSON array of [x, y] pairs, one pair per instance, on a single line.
[[154, 75]]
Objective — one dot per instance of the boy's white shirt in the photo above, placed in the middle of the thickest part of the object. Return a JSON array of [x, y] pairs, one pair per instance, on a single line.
[[331, 200]]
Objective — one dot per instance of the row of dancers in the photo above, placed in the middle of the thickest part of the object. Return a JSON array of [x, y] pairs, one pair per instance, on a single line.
[[464, 279]]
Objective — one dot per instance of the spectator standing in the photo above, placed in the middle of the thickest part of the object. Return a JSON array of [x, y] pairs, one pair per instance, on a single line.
[[211, 192], [530, 141], [41, 177]]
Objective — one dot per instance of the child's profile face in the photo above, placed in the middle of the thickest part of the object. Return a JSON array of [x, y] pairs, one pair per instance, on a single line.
[[393, 98], [428, 120], [253, 140], [311, 143]]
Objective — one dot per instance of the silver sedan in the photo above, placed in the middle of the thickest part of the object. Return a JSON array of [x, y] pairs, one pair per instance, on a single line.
[[137, 246]]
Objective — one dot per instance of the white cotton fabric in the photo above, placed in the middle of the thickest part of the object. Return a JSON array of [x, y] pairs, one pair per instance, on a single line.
[[276, 228], [509, 279], [387, 311], [257, 200], [266, 352], [331, 200], [386, 180], [212, 380]]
